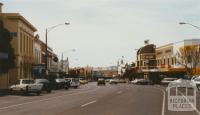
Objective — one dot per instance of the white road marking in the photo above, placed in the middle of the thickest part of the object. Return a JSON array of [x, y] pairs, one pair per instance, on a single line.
[[88, 103], [163, 106], [26, 103], [119, 92], [163, 103]]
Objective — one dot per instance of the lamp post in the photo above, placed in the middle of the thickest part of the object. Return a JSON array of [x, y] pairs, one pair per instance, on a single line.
[[190, 25], [46, 36], [197, 27]]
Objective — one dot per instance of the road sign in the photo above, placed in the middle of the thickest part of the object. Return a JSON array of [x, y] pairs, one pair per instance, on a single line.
[[3, 55]]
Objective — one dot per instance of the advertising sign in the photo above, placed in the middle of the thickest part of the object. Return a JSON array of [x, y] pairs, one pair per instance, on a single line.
[[182, 96]]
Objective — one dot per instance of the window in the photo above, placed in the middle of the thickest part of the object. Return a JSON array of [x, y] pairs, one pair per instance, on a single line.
[[13, 34], [167, 61], [21, 43], [168, 51], [24, 42]]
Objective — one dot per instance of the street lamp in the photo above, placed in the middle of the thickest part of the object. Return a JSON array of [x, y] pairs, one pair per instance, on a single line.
[[193, 26], [190, 25], [47, 31], [73, 50]]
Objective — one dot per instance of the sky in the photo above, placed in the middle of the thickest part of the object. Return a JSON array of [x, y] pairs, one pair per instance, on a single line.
[[102, 31]]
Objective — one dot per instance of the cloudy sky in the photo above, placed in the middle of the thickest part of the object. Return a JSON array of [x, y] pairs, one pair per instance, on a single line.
[[102, 31]]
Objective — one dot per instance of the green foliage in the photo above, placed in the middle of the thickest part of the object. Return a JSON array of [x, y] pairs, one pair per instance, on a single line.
[[74, 73], [130, 72], [5, 47]]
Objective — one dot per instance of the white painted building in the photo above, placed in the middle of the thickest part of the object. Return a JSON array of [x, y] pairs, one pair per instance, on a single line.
[[37, 51]]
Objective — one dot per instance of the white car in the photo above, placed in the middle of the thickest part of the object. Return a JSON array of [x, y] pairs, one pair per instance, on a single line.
[[74, 82], [136, 81], [166, 81], [195, 76], [196, 81], [26, 86], [113, 81], [141, 81]]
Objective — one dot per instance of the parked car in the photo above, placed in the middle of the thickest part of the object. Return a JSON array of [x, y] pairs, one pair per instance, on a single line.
[[195, 76], [166, 81], [114, 81], [107, 80], [141, 81], [60, 83], [83, 81], [101, 81], [47, 86], [135, 81], [196, 81], [74, 82], [122, 81], [26, 86]]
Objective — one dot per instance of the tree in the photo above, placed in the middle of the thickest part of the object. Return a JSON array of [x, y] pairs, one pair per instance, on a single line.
[[130, 72], [189, 57], [6, 48], [74, 73]]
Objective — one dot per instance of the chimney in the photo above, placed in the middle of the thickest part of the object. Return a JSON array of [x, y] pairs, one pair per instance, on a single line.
[[1, 4]]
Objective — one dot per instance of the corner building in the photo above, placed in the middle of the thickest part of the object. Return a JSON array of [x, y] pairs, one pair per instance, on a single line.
[[22, 33]]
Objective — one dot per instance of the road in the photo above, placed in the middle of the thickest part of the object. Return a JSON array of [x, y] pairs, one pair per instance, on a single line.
[[90, 99]]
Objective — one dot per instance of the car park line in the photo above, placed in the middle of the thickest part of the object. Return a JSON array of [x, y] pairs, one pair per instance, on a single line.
[[88, 103], [26, 103]]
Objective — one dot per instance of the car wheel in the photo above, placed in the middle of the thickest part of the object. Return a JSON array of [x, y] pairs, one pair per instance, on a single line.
[[22, 92], [38, 93], [48, 91], [11, 91], [66, 88]]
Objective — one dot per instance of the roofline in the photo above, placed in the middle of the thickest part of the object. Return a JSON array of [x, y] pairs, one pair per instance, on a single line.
[[164, 46], [20, 17]]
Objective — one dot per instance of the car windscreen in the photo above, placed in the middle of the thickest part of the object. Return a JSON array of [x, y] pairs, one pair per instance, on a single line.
[[41, 81], [60, 80]]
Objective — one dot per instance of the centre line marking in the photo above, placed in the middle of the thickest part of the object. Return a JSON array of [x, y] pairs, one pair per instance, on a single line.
[[88, 103], [47, 99]]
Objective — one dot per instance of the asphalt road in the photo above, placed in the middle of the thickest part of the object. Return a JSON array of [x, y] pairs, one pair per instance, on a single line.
[[90, 99]]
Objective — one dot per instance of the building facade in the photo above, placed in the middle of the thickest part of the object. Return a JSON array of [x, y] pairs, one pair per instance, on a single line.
[[169, 60], [22, 33], [169, 56], [146, 58], [165, 57], [121, 66]]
